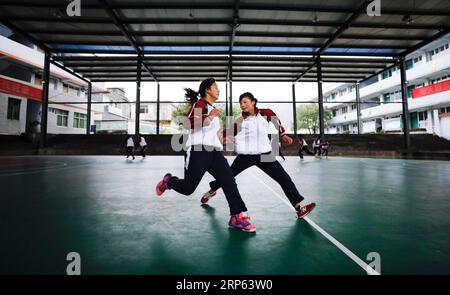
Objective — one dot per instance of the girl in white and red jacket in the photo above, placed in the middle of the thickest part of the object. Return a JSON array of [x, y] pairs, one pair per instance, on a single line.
[[252, 144], [205, 154]]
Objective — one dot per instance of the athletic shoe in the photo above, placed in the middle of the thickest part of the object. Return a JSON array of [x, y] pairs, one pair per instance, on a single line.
[[162, 185], [207, 196], [305, 210], [241, 222]]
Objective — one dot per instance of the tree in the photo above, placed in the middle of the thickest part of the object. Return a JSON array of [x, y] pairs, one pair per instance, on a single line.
[[179, 114], [308, 117], [236, 113]]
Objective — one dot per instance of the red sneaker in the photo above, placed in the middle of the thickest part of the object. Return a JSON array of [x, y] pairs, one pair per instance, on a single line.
[[305, 210], [207, 196]]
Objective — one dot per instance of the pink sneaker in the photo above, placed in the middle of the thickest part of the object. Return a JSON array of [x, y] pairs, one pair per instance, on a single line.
[[241, 222], [161, 187]]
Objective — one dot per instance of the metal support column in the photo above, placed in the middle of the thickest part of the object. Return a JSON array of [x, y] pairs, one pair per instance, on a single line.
[[230, 110], [158, 107], [319, 87], [226, 98], [358, 108], [45, 92], [138, 96], [405, 111], [89, 105], [294, 108]]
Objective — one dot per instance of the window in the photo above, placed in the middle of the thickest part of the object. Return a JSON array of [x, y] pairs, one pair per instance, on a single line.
[[386, 74], [75, 90], [353, 106], [54, 82], [409, 64], [38, 79], [143, 109], [333, 95], [444, 110], [344, 110], [61, 117], [434, 81], [438, 50], [334, 113], [13, 109], [423, 116], [65, 88], [342, 92], [392, 96], [79, 120], [417, 59], [345, 128], [410, 89]]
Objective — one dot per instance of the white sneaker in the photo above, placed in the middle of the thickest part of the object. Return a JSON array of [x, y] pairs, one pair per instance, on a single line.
[[207, 196]]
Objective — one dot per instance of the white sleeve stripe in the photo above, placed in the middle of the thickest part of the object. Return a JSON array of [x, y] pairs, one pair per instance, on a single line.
[[193, 107]]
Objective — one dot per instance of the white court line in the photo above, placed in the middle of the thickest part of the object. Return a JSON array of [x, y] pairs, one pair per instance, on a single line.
[[356, 259]]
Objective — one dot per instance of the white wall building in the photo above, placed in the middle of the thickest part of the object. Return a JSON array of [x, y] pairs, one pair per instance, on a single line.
[[428, 76], [21, 67]]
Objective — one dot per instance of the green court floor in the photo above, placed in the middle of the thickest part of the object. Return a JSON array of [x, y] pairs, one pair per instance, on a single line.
[[105, 209]]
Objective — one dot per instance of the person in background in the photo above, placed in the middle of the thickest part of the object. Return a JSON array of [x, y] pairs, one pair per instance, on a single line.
[[142, 144], [317, 147], [303, 147], [325, 147], [130, 146]]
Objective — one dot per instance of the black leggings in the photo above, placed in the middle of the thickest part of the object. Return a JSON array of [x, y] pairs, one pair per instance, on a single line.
[[318, 151], [304, 149], [271, 168], [197, 163], [324, 152], [143, 148], [130, 151]]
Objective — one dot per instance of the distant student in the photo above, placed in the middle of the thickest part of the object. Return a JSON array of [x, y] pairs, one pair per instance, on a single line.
[[130, 146], [142, 144], [303, 147], [317, 147], [325, 147]]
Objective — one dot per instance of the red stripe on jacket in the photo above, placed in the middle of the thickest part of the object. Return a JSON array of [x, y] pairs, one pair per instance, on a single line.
[[196, 114], [268, 113]]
